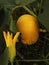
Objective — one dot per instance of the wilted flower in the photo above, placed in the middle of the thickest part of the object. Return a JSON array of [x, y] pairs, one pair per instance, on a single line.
[[10, 43]]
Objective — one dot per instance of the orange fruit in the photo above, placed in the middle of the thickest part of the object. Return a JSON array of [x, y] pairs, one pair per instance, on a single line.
[[28, 26]]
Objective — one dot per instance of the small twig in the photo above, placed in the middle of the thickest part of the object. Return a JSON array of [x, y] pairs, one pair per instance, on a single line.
[[20, 55], [47, 55], [46, 38]]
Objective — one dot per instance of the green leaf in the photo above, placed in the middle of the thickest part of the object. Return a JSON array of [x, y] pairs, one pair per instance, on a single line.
[[5, 22], [23, 2], [7, 3], [13, 26], [44, 17], [12, 3], [4, 57]]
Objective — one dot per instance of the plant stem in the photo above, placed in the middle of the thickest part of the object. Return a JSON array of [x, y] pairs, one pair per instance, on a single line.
[[11, 63], [16, 8], [31, 12], [27, 9], [20, 55], [40, 6], [35, 60], [47, 55]]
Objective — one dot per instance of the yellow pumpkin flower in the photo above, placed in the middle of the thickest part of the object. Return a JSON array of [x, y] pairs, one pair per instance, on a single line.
[[10, 43]]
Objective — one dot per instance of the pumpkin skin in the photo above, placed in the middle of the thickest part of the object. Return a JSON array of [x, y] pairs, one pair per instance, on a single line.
[[28, 26]]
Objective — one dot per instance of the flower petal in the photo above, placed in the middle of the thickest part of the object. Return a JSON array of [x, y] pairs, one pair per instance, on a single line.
[[9, 39], [16, 37], [5, 36], [11, 35]]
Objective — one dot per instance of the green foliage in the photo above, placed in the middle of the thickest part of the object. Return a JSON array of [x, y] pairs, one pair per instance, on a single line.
[[7, 3], [12, 25], [44, 17], [4, 57], [10, 4], [23, 2]]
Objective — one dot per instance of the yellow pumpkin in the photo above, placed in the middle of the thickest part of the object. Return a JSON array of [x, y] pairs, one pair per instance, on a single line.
[[28, 26]]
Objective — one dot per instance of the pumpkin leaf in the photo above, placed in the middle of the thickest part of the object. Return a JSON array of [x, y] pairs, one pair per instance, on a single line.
[[7, 3], [44, 17], [12, 3], [23, 2], [4, 57], [13, 26]]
